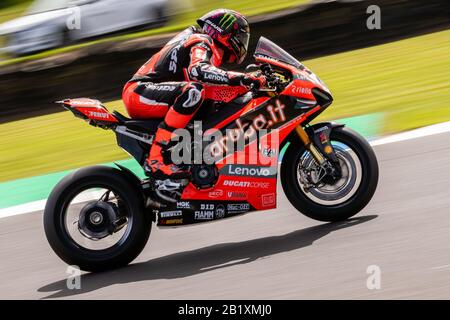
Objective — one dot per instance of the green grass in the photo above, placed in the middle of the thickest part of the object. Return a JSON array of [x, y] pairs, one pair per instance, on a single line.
[[13, 11], [408, 79], [178, 22]]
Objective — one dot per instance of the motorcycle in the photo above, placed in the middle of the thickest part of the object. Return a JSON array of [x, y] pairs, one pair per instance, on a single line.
[[100, 217]]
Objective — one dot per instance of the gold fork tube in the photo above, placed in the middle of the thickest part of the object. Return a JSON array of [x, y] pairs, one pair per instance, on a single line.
[[309, 146]]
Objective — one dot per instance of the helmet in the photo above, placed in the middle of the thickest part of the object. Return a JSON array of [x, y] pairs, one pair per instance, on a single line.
[[229, 29]]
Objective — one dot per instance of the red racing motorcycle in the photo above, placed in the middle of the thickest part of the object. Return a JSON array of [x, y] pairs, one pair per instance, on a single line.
[[100, 217]]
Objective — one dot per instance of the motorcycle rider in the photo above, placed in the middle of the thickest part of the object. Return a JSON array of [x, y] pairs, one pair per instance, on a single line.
[[171, 83]]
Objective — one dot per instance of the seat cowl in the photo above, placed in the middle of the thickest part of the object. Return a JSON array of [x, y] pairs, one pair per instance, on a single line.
[[120, 116], [145, 126]]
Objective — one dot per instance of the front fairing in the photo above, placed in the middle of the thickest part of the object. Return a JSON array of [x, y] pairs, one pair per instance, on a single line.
[[268, 52], [308, 75]]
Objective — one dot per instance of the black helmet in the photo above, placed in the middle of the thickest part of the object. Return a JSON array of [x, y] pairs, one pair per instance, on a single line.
[[228, 28]]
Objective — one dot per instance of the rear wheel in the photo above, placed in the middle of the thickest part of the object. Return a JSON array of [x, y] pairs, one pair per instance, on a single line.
[[321, 199], [95, 219]]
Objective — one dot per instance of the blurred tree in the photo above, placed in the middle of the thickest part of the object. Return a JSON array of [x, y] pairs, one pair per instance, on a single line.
[[9, 3]]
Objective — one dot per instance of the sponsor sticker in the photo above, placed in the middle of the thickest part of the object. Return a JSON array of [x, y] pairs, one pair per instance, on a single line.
[[213, 25], [167, 214], [206, 212], [249, 170], [98, 114], [301, 90], [249, 126], [204, 215], [236, 194], [246, 184], [220, 211], [268, 199], [183, 205], [215, 77], [323, 137], [160, 87], [170, 221], [321, 129], [227, 20], [238, 207], [215, 193], [269, 152]]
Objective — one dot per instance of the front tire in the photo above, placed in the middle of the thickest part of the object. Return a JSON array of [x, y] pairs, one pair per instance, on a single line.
[[331, 211], [60, 232]]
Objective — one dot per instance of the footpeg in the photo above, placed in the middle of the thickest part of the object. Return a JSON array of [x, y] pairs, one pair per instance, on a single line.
[[170, 190], [169, 184]]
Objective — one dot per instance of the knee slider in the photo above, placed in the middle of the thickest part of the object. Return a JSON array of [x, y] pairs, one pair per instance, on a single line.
[[189, 101]]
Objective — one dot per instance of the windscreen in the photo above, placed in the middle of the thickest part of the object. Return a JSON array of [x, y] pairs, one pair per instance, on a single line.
[[266, 48]]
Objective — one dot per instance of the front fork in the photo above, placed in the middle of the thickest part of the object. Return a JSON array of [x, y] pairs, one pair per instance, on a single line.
[[321, 149], [320, 160]]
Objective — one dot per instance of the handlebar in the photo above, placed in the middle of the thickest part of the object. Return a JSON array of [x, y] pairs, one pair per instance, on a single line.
[[273, 81]]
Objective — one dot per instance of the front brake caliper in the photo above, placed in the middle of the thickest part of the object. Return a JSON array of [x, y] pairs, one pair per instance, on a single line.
[[321, 139]]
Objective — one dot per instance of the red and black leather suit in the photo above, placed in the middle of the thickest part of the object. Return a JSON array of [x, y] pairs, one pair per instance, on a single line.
[[170, 84]]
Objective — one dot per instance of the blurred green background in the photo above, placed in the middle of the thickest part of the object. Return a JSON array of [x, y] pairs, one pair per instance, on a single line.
[[407, 81], [182, 14]]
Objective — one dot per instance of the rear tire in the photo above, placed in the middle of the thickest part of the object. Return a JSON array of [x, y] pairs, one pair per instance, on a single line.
[[96, 260], [338, 212]]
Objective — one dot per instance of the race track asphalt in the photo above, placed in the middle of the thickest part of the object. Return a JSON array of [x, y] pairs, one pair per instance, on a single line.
[[277, 254]]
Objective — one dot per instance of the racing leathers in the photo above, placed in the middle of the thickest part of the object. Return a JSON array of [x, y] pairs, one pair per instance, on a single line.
[[171, 86]]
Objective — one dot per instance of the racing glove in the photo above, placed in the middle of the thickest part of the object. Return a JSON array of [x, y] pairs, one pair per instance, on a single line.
[[257, 81], [246, 79]]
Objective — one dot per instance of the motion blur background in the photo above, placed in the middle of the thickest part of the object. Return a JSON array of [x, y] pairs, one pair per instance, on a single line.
[[390, 79], [384, 81]]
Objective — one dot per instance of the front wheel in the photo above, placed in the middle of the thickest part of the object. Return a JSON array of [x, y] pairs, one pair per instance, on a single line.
[[95, 219], [324, 200]]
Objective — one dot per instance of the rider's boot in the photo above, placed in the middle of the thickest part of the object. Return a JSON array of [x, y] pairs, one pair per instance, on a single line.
[[155, 164]]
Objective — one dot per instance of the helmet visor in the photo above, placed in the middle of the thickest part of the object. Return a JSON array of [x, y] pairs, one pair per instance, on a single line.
[[243, 40]]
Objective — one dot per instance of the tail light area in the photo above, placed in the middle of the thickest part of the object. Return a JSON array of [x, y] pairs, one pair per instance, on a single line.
[[90, 110]]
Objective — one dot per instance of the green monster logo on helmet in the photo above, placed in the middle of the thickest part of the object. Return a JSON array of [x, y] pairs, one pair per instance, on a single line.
[[227, 20]]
